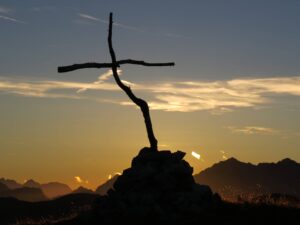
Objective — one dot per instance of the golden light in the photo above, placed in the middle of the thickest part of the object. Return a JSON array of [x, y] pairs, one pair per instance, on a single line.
[[196, 155], [223, 155], [78, 179]]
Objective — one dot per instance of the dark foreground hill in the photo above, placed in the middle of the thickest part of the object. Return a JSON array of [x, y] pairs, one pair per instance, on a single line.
[[13, 211], [24, 193], [157, 189], [77, 209], [232, 178], [3, 188]]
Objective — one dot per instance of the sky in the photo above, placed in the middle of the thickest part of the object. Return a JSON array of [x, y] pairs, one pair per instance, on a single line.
[[234, 90]]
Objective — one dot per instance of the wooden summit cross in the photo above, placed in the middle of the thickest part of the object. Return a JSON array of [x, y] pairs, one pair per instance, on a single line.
[[114, 65]]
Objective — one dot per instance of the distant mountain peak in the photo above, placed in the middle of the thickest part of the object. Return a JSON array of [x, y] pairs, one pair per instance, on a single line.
[[12, 184], [286, 161], [229, 162], [232, 159], [31, 183], [82, 189], [232, 177], [55, 189]]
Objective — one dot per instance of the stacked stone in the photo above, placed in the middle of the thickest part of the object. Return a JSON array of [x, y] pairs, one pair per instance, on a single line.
[[158, 186]]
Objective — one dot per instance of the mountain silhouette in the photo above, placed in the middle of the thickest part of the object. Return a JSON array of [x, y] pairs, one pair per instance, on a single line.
[[11, 184], [25, 193], [31, 183], [50, 190], [55, 189], [3, 188], [232, 178], [83, 190], [12, 210], [156, 182]]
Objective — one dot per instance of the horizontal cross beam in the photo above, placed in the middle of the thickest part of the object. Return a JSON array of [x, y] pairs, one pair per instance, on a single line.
[[64, 69]]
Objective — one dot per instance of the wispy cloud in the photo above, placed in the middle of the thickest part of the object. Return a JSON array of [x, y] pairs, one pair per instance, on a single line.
[[79, 180], [89, 17], [11, 19], [216, 96], [110, 176], [95, 19], [254, 130], [101, 79], [222, 96], [7, 17], [47, 88], [223, 155]]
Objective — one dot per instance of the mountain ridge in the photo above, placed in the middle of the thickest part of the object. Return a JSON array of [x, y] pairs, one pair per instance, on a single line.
[[49, 190], [232, 178]]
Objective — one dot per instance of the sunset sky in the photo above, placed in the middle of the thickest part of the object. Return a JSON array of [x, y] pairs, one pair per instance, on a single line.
[[234, 91]]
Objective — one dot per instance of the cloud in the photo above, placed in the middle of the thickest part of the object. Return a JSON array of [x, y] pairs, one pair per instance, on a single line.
[[216, 97], [279, 85], [111, 176], [7, 11], [11, 19], [89, 17], [222, 96], [79, 180], [253, 130], [101, 79], [95, 19], [47, 88], [223, 155]]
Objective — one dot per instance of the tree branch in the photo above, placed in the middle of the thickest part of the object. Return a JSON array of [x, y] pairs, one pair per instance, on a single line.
[[114, 67], [143, 63], [138, 101], [64, 69]]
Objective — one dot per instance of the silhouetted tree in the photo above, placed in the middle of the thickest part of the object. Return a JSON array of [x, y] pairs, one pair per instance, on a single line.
[[142, 104]]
